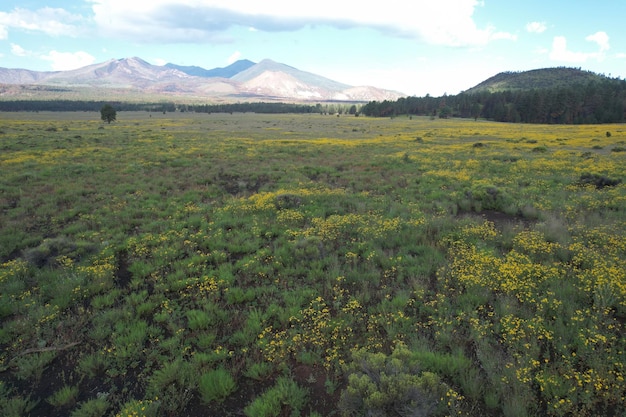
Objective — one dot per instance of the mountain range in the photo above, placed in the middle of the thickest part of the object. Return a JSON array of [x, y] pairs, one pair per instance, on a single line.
[[244, 79]]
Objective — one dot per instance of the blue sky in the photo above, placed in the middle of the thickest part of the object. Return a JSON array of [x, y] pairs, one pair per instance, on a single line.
[[418, 47]]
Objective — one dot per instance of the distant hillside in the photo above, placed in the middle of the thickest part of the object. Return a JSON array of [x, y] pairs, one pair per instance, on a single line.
[[535, 79], [551, 95], [226, 72]]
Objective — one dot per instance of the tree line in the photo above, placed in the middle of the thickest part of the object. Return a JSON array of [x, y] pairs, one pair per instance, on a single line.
[[255, 107], [79, 105], [598, 101], [274, 107]]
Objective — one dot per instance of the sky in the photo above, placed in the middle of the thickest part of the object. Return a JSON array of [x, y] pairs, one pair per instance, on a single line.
[[416, 47]]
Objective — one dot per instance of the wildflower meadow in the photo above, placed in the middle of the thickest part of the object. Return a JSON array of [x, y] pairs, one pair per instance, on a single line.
[[310, 265]]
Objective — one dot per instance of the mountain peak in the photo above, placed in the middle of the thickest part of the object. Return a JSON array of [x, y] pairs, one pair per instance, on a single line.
[[243, 78], [267, 65], [135, 61], [270, 65]]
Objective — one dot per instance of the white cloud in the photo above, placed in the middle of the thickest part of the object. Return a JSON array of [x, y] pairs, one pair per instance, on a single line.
[[63, 61], [19, 51], [560, 52], [446, 22], [536, 27], [503, 36], [234, 57], [602, 39], [51, 21], [60, 61]]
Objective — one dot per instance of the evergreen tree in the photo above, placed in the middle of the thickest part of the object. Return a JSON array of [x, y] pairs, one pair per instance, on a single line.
[[108, 113]]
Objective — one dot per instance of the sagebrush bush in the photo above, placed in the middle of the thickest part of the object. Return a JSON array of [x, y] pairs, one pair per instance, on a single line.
[[381, 385], [599, 181], [487, 197]]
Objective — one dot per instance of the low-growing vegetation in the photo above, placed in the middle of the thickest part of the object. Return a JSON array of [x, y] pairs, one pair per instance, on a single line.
[[308, 265]]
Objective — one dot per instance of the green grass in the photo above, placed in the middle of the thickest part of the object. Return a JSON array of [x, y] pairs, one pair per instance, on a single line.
[[137, 258]]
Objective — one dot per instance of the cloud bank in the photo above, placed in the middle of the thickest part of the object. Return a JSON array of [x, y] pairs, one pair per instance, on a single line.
[[48, 20], [446, 22]]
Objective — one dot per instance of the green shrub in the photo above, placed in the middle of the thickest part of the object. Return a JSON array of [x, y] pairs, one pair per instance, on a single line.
[[173, 384], [48, 250], [258, 371], [237, 295], [16, 407], [32, 366], [96, 407], [143, 408], [287, 201], [92, 365], [445, 364], [216, 385], [64, 397], [286, 394], [198, 320]]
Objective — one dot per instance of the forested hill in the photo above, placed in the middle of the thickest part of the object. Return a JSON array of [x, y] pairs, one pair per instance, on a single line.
[[534, 79], [552, 95]]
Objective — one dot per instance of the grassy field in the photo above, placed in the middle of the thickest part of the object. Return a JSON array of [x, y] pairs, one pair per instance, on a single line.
[[216, 264]]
